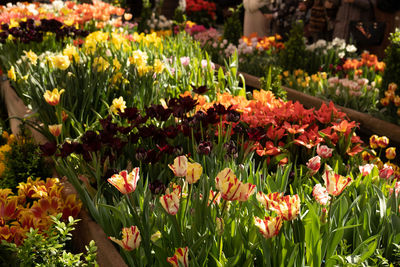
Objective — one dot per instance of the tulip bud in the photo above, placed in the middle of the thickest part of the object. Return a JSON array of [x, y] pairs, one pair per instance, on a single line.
[[383, 141], [220, 226], [373, 141], [391, 153], [324, 216]]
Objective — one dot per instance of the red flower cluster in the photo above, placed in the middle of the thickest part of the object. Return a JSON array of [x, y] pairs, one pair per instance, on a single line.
[[195, 6]]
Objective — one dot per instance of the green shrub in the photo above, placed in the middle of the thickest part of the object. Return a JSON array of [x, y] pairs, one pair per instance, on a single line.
[[22, 161], [294, 55], [392, 61], [47, 249], [233, 26]]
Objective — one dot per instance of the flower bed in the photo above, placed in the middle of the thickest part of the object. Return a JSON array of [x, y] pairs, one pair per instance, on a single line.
[[178, 164]]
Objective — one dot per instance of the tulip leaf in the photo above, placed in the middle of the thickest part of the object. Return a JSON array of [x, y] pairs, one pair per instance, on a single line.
[[382, 202]]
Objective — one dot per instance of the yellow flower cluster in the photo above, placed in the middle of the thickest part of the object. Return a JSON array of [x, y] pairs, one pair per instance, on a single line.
[[32, 206], [391, 97], [301, 78], [10, 138]]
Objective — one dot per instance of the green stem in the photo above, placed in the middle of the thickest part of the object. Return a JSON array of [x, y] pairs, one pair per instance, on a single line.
[[187, 202], [220, 248]]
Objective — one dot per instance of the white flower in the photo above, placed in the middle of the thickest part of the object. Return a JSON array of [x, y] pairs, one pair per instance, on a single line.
[[320, 43], [351, 48], [341, 54]]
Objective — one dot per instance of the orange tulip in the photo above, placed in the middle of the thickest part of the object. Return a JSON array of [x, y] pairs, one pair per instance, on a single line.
[[334, 182], [53, 97], [130, 238], [124, 182], [180, 258], [231, 188], [269, 227], [55, 129]]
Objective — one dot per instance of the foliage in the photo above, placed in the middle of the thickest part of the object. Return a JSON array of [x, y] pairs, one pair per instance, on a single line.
[[20, 160], [233, 26], [271, 82], [48, 248], [294, 55], [392, 60]]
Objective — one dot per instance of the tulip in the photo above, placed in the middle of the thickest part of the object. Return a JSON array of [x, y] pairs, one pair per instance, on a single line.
[[231, 188], [170, 202], [55, 129], [314, 164], [124, 182], [334, 182], [215, 197], [383, 141], [373, 141], [386, 172], [321, 195], [130, 238], [268, 200], [366, 169], [396, 189], [185, 61], [288, 207], [53, 97], [391, 153], [193, 173], [180, 166], [270, 226], [324, 151], [180, 258]]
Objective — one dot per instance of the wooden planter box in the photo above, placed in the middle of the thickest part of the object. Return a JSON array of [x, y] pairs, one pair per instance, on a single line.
[[368, 124], [86, 229]]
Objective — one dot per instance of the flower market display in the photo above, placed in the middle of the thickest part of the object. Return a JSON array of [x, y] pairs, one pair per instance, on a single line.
[[176, 160]]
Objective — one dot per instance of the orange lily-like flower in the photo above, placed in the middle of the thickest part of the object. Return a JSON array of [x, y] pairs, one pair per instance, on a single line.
[[180, 166], [8, 208], [231, 188], [193, 172], [180, 258], [124, 182], [170, 202], [130, 238], [270, 226], [55, 129], [288, 207], [53, 97], [334, 182], [269, 199]]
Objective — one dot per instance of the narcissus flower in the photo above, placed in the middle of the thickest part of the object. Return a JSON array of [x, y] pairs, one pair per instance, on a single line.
[[321, 195], [180, 258], [193, 173], [324, 151], [269, 199], [55, 129], [130, 238], [270, 226], [288, 207], [334, 182], [60, 62], [31, 56], [231, 188], [11, 74], [314, 164], [180, 166], [118, 105], [53, 97], [390, 153], [170, 202], [124, 182]]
